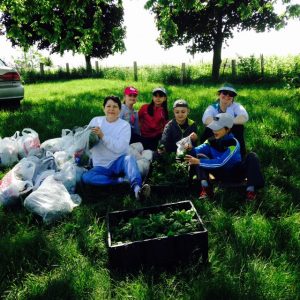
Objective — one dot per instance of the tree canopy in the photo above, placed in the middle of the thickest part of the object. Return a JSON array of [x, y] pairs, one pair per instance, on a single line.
[[205, 25], [90, 27]]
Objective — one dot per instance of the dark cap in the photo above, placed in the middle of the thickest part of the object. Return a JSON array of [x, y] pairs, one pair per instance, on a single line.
[[180, 103], [159, 89]]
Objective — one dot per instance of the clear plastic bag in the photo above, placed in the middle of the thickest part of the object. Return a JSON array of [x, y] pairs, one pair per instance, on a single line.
[[17, 182], [27, 141], [181, 147], [8, 151], [51, 200]]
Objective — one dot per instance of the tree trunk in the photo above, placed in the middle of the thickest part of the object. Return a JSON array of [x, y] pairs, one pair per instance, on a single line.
[[88, 65], [217, 60]]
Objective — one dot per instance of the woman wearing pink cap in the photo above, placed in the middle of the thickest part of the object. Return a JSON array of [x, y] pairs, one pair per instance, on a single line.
[[129, 114]]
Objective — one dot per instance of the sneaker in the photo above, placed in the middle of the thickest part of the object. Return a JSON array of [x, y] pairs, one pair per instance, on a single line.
[[206, 192], [250, 196], [143, 193]]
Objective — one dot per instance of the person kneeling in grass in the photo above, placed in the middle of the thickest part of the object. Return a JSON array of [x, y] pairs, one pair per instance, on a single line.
[[109, 156], [220, 155], [179, 127]]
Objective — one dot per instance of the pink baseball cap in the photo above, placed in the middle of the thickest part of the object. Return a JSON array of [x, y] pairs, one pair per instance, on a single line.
[[130, 90]]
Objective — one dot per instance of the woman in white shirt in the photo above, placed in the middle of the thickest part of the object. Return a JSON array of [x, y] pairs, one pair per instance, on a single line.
[[110, 156], [226, 104]]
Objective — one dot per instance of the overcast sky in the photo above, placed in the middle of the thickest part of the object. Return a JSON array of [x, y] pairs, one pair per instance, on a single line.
[[142, 47]]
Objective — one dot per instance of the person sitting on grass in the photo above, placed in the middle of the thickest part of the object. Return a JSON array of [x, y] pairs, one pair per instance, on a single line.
[[226, 103], [179, 127], [109, 157], [220, 155], [153, 117], [129, 114]]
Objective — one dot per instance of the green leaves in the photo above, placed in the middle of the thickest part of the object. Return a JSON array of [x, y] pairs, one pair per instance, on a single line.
[[93, 28], [162, 224]]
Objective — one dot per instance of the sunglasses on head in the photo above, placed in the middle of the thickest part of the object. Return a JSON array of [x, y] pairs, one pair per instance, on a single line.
[[228, 93], [132, 95], [159, 94]]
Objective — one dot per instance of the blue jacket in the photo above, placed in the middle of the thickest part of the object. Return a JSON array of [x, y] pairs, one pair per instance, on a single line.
[[221, 153]]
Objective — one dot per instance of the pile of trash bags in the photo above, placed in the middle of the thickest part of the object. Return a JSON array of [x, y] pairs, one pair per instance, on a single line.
[[46, 175]]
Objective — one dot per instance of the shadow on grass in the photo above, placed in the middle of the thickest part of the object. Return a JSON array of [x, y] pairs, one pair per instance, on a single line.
[[26, 251]]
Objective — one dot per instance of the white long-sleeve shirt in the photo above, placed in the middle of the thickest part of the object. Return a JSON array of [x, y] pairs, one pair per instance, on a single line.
[[235, 109], [114, 143]]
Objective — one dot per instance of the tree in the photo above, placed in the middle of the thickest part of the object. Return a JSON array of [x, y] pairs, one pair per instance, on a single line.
[[90, 27], [206, 25]]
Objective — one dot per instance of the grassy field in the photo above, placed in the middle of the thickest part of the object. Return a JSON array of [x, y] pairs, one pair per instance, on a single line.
[[253, 247]]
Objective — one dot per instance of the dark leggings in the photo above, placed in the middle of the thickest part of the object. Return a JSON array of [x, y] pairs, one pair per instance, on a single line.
[[238, 132], [249, 168]]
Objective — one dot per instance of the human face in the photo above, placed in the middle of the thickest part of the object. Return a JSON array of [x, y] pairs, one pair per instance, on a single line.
[[159, 98], [130, 100], [112, 111], [181, 114], [220, 133], [226, 98]]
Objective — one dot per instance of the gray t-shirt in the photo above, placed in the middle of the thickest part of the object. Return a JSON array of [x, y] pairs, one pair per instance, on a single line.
[[131, 116]]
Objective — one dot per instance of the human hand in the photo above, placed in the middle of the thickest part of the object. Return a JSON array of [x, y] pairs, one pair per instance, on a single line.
[[161, 150], [193, 136], [191, 160], [98, 132]]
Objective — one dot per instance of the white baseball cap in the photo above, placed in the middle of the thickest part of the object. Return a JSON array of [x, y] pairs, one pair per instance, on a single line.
[[220, 121]]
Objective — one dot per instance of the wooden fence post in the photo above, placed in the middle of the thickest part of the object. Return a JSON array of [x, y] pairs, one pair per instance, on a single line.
[[233, 67], [183, 73], [42, 69], [262, 66], [97, 67], [68, 68], [135, 71]]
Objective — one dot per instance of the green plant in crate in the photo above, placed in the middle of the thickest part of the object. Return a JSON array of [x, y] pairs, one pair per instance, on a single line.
[[162, 224], [167, 170]]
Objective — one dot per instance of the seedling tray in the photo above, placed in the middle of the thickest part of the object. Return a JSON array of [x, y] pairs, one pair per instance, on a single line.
[[161, 251]]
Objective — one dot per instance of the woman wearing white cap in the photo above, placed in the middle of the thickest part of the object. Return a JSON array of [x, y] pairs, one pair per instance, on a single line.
[[226, 104]]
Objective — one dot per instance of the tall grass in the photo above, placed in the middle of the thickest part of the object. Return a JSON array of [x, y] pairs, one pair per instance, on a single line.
[[276, 70], [253, 247]]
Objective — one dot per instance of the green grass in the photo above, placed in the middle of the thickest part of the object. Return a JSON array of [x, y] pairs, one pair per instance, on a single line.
[[253, 247]]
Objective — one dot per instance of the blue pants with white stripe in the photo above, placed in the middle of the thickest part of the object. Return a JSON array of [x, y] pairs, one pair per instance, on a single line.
[[125, 164]]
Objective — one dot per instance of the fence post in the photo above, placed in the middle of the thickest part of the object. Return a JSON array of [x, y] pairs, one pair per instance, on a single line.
[[233, 67], [97, 67], [135, 71], [68, 68], [42, 69], [262, 66], [183, 73]]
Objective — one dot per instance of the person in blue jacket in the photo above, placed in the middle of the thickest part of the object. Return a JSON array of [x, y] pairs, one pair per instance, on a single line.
[[220, 155]]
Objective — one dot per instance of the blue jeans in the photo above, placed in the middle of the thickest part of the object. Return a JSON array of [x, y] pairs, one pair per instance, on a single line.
[[125, 164]]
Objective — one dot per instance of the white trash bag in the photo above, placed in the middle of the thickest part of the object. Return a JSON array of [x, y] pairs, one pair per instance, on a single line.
[[8, 151], [143, 165], [27, 141], [16, 182], [67, 176], [51, 200]]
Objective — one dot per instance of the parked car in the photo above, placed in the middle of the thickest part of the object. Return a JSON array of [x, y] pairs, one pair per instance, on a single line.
[[11, 88]]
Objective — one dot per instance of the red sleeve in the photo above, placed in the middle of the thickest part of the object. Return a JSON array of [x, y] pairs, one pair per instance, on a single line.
[[142, 111]]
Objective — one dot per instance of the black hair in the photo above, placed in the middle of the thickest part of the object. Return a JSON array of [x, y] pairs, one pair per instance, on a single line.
[[164, 105], [114, 99]]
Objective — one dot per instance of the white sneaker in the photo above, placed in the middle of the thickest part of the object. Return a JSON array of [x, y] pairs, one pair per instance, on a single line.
[[143, 193]]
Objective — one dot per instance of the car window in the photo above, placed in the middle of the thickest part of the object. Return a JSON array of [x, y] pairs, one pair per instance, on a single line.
[[2, 63]]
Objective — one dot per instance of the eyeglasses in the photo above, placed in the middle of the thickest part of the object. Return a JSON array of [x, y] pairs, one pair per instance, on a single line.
[[132, 95], [159, 94], [228, 93]]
